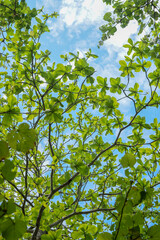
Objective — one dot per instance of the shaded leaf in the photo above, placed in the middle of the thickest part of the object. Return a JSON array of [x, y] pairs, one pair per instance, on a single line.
[[154, 232], [4, 150], [13, 230]]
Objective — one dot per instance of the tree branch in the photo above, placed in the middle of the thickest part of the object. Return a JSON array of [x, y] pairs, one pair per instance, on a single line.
[[80, 213]]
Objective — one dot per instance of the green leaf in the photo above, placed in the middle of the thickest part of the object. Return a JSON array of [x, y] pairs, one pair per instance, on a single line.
[[113, 30], [12, 138], [11, 207], [148, 64], [138, 218], [4, 150], [128, 160], [100, 80], [33, 13], [143, 195], [13, 230], [135, 195], [135, 232], [92, 229], [147, 126], [66, 148], [123, 63], [88, 236], [23, 139], [7, 170], [84, 170], [154, 232], [104, 236], [107, 16], [107, 1], [23, 127], [7, 207], [52, 235], [1, 180], [12, 100], [76, 234], [130, 41]]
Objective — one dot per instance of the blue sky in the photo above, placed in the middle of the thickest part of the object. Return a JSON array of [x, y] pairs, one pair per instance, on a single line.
[[77, 29]]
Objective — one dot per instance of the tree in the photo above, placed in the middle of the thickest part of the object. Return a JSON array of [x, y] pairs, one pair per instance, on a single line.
[[68, 172]]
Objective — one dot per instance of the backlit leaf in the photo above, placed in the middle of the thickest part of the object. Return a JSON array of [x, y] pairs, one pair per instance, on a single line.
[[128, 160], [104, 236]]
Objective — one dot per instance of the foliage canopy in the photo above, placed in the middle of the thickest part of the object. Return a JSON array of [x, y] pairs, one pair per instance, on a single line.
[[68, 167]]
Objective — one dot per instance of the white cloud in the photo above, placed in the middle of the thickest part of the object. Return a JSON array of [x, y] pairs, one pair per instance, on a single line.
[[83, 11], [49, 5], [124, 106], [44, 84], [56, 27], [68, 14], [122, 34], [81, 53], [76, 16], [4, 96]]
